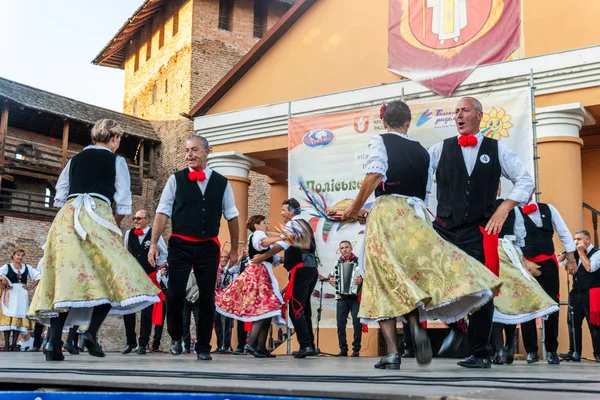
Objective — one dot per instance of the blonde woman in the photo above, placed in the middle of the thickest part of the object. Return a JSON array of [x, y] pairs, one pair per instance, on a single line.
[[86, 266]]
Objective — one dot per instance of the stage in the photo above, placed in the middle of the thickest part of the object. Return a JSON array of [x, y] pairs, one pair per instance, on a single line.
[[320, 377]]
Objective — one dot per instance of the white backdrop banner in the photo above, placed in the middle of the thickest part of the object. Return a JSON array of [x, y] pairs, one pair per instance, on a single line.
[[329, 151]]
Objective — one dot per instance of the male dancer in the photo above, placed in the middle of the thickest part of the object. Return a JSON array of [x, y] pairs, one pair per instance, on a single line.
[[137, 242], [467, 169], [194, 198]]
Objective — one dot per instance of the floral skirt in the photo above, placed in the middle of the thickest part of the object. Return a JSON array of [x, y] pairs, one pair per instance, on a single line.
[[521, 298], [409, 266], [83, 273], [254, 295]]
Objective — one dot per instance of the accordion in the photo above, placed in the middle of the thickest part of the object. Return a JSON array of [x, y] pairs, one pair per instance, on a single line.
[[345, 275]]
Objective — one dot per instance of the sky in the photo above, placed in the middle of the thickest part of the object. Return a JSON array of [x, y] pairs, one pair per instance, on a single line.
[[49, 44]]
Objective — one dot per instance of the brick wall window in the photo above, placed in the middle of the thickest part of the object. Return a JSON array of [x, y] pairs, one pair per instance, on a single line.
[[176, 19], [154, 93], [260, 17], [148, 42], [134, 108], [225, 14], [166, 86]]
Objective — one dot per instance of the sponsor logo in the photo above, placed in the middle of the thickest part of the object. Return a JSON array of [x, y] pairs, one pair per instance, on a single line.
[[361, 124], [318, 138], [424, 117], [439, 118]]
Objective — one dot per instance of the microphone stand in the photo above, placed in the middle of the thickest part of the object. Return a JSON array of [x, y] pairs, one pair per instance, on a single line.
[[571, 318], [319, 310]]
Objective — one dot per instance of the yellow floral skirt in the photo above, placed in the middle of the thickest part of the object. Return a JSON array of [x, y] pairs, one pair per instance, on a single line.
[[409, 266], [521, 298], [82, 273], [14, 324]]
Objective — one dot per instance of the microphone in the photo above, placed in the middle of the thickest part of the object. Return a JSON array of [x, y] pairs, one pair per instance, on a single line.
[[323, 279]]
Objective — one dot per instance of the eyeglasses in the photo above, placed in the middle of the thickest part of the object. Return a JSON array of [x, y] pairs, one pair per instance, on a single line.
[[139, 218]]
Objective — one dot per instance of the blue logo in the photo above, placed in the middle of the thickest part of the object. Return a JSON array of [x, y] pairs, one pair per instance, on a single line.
[[318, 138], [424, 117]]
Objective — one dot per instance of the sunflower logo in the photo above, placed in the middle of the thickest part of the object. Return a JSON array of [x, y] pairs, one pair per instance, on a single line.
[[495, 124]]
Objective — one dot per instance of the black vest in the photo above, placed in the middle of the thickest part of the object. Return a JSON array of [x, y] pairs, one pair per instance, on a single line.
[[252, 252], [539, 240], [294, 255], [196, 214], [408, 166], [584, 280], [14, 278], [464, 199], [93, 171], [140, 251], [244, 263], [509, 225]]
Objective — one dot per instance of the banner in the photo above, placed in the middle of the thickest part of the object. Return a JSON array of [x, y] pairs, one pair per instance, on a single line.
[[438, 43], [329, 151]]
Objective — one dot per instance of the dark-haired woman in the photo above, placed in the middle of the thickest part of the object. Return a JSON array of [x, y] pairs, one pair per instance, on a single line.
[[254, 295], [411, 273], [86, 266]]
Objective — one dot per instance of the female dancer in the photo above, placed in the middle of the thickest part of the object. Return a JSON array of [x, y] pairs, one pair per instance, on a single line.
[[410, 271], [16, 278], [254, 295], [85, 264]]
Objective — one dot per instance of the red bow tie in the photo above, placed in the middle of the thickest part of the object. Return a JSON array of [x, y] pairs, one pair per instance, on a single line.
[[467, 141], [197, 175], [528, 209], [138, 232]]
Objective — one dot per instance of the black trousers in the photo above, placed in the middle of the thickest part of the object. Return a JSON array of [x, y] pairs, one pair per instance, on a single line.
[[189, 309], [223, 327], [469, 239], [407, 338], [204, 257], [348, 305], [498, 333], [37, 335], [299, 308], [549, 280], [241, 335], [158, 329], [145, 327], [580, 302]]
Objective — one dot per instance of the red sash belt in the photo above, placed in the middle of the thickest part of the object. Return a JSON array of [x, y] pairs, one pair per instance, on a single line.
[[490, 251], [595, 306], [157, 310], [543, 257], [194, 239], [289, 294]]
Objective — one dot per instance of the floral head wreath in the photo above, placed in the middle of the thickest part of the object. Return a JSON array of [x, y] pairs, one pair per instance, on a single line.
[[382, 111]]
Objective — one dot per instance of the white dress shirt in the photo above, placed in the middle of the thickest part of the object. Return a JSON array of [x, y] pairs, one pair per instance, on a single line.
[[122, 185], [511, 165], [594, 259], [377, 161], [162, 246], [557, 223], [167, 197]]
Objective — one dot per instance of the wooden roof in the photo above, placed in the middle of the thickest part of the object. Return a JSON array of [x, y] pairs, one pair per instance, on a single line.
[[252, 57], [55, 104], [114, 53]]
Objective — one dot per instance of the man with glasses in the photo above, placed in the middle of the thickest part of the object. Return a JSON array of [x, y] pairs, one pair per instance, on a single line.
[[137, 242]]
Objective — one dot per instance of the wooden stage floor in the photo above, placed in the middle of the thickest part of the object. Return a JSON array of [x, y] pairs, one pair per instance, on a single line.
[[320, 377]]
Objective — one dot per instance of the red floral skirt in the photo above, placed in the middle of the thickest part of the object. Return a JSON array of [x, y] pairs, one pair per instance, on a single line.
[[252, 296]]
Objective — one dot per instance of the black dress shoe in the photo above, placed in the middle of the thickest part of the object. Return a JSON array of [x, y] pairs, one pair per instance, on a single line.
[[596, 357], [71, 348], [176, 348], [355, 354], [204, 356], [532, 358], [566, 356], [254, 352], [53, 353], [342, 353], [94, 349], [266, 353], [305, 352], [391, 361], [127, 349], [408, 353], [423, 352], [141, 350], [476, 362], [500, 357], [451, 343], [576, 357], [510, 354], [155, 349], [553, 358]]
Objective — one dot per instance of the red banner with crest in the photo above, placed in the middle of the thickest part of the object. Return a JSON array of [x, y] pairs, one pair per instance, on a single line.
[[438, 43]]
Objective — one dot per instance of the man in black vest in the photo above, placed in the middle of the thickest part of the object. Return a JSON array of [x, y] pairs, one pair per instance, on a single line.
[[137, 242], [536, 222], [194, 198], [467, 170], [586, 285], [303, 275]]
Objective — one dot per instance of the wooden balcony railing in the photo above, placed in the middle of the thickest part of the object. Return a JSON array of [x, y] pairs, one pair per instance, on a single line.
[[19, 203], [595, 214]]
